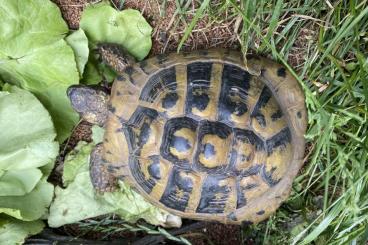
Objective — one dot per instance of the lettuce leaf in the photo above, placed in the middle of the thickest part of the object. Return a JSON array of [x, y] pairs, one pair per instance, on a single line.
[[104, 24], [27, 132], [27, 145], [75, 162], [79, 200], [31, 206], [79, 43], [128, 28], [34, 56], [97, 134], [19, 182], [13, 231]]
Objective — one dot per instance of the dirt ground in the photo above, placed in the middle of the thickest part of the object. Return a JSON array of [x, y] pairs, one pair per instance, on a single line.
[[167, 32], [216, 234]]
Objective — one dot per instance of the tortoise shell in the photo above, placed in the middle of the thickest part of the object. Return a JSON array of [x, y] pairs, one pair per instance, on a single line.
[[205, 137]]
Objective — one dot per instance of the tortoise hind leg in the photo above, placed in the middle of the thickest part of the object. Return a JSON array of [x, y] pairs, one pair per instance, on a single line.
[[102, 180]]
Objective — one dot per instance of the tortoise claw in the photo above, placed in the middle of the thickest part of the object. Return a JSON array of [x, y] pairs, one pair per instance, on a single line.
[[172, 221]]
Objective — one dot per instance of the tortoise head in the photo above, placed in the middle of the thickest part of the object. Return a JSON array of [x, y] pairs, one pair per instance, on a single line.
[[90, 102]]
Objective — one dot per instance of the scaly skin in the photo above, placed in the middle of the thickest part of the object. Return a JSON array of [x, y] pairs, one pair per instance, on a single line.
[[91, 102], [113, 56], [101, 179]]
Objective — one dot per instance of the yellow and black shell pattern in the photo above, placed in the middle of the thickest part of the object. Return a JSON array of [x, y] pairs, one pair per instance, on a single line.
[[204, 136]]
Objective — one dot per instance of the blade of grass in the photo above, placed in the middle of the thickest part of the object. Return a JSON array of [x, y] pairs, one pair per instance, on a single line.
[[189, 29], [348, 25], [272, 24]]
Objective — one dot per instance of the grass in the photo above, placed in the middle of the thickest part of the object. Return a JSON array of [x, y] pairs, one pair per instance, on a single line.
[[325, 45], [110, 226]]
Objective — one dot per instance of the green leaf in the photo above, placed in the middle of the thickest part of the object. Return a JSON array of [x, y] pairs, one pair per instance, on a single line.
[[29, 25], [14, 231], [96, 71], [97, 134], [91, 75], [75, 162], [26, 131], [76, 202], [79, 200], [102, 23], [34, 56], [27, 145], [131, 206], [19, 182], [79, 43], [31, 206]]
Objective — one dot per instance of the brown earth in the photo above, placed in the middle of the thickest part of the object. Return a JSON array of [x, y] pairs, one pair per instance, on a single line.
[[168, 28]]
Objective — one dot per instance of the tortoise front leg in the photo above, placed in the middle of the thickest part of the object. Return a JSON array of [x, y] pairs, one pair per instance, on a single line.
[[102, 180], [115, 57]]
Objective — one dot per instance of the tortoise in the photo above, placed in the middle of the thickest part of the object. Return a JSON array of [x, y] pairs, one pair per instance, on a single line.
[[200, 134]]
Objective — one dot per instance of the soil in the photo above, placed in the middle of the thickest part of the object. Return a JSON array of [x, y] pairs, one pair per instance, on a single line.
[[216, 234], [71, 10], [81, 132], [167, 31]]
